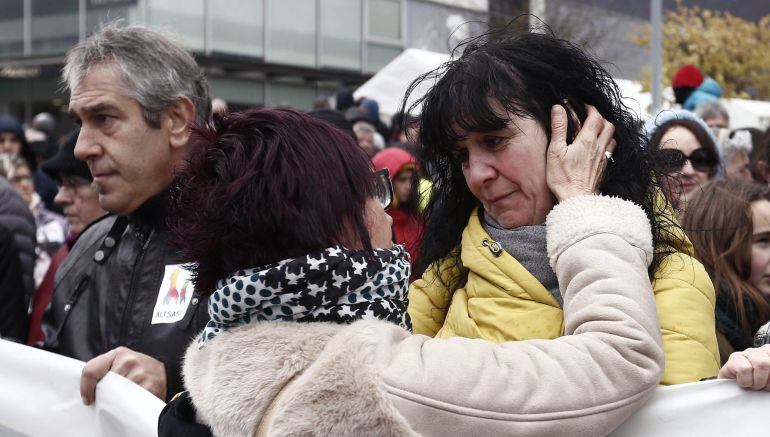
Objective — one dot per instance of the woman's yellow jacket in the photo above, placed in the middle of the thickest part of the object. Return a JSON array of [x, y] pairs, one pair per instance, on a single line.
[[501, 301]]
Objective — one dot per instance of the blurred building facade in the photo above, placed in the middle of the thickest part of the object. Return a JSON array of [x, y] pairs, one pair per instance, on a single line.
[[254, 52]]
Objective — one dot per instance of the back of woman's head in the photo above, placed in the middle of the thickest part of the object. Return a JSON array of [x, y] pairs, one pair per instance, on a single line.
[[719, 222], [266, 185], [526, 75]]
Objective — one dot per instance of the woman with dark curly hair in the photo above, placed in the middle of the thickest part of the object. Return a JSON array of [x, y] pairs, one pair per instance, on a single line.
[[485, 125]]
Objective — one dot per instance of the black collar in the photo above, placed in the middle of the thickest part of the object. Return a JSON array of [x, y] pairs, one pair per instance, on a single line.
[[150, 215]]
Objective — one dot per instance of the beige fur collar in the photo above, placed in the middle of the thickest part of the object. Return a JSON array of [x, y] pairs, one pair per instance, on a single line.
[[316, 379]]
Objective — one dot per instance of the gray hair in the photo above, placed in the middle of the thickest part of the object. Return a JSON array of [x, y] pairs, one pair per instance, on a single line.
[[361, 127], [155, 71], [712, 109]]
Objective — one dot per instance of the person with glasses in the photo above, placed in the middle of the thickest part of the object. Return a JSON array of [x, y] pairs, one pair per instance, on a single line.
[[276, 198], [685, 153], [282, 219], [80, 203], [487, 133]]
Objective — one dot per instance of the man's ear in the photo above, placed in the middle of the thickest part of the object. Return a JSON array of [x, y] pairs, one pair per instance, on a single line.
[[180, 117]]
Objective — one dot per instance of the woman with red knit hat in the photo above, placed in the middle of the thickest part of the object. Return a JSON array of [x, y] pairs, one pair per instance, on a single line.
[[405, 211]]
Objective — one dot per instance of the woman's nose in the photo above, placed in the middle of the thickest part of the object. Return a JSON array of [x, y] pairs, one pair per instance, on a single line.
[[479, 168], [687, 168]]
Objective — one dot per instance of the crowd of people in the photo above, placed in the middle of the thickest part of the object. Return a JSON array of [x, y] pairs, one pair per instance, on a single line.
[[514, 253]]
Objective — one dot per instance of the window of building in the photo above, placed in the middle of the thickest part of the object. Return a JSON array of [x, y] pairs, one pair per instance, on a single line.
[[183, 17], [340, 34], [384, 33], [238, 91], [236, 27], [101, 12], [291, 32], [54, 26], [385, 19], [11, 28], [295, 96], [379, 55]]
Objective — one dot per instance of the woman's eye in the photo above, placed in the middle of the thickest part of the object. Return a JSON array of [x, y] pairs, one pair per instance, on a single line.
[[493, 142]]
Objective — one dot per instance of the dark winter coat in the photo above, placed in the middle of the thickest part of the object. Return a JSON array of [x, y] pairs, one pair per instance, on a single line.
[[13, 309], [18, 220], [105, 294]]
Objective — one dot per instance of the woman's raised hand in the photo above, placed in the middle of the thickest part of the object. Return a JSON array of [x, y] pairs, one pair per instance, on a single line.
[[576, 169]]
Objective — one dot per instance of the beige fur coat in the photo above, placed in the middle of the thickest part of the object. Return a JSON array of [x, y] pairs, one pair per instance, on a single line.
[[372, 378]]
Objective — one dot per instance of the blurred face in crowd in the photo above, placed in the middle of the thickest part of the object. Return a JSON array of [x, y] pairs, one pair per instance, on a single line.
[[505, 170], [403, 185], [23, 182], [79, 201], [366, 142], [760, 247], [10, 143], [737, 167], [684, 183], [716, 122], [129, 160]]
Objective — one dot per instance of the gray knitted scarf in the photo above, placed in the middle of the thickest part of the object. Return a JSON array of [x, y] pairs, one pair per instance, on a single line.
[[527, 244]]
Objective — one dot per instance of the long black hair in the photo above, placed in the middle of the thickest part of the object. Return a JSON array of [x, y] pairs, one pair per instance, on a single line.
[[527, 74]]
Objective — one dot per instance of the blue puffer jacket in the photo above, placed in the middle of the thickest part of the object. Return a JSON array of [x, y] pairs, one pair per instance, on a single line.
[[708, 91]]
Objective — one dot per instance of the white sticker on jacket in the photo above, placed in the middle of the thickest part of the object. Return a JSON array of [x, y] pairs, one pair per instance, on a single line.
[[174, 296]]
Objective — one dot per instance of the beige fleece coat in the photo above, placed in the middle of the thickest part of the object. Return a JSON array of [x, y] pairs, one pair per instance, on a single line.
[[372, 378]]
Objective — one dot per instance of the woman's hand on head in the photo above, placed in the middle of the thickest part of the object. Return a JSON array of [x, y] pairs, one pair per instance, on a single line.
[[750, 368], [576, 169]]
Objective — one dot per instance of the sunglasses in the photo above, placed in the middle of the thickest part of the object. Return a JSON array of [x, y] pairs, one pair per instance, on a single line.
[[672, 160], [383, 188]]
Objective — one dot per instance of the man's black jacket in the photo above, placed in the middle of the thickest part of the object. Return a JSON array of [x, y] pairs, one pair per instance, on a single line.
[[106, 291]]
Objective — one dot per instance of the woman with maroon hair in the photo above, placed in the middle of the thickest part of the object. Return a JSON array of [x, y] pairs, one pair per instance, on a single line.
[[270, 237]]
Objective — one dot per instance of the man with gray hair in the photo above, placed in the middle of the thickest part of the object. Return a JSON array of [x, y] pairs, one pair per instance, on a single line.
[[123, 300], [715, 115]]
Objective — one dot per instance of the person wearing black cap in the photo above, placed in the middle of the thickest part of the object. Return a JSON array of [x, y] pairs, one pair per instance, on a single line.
[[76, 196], [80, 203]]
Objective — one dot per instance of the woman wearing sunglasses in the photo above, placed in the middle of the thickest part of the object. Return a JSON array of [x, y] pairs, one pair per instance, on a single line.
[[283, 218], [685, 152], [729, 225]]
